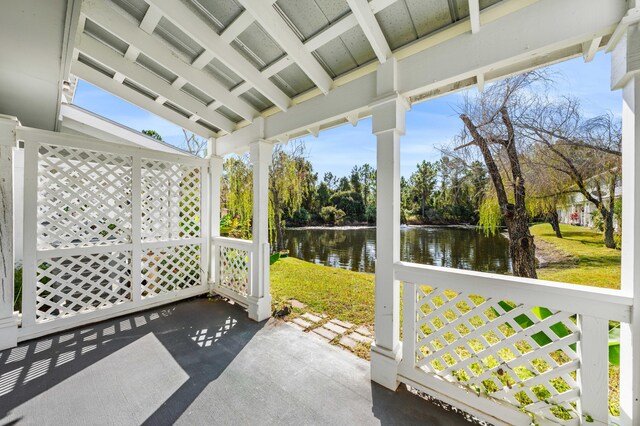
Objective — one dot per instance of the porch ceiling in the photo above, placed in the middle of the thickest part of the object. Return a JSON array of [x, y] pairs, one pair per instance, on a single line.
[[238, 59], [215, 67]]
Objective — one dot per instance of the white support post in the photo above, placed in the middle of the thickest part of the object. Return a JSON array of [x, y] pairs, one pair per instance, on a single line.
[[205, 225], [388, 125], [215, 175], [260, 295], [625, 74], [30, 234], [8, 325]]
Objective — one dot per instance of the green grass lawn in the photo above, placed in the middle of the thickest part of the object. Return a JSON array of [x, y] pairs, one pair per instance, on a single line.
[[590, 263], [339, 293], [349, 295]]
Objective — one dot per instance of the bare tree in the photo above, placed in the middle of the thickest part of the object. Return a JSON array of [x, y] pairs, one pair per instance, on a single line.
[[195, 144], [489, 127]]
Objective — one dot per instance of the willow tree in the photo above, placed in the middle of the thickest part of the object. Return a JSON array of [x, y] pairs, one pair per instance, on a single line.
[[548, 189], [586, 150], [237, 192], [288, 177], [489, 128]]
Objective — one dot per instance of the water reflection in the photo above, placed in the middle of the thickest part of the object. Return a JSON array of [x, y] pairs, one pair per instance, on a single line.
[[355, 248]]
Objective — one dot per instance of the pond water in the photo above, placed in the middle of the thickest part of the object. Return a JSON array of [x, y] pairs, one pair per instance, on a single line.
[[355, 248]]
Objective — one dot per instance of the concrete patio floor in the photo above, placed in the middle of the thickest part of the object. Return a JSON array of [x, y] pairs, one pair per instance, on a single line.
[[197, 362]]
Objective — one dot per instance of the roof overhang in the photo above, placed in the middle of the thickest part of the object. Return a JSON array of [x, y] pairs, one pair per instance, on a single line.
[[76, 120], [37, 45]]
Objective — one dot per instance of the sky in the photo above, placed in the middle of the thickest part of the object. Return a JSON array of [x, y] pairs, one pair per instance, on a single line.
[[429, 124]]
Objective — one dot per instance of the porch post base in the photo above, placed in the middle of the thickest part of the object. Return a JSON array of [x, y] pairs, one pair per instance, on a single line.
[[384, 366], [259, 308], [8, 333]]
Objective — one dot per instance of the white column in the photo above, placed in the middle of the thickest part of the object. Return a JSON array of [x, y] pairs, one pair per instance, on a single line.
[[388, 125], [215, 175], [625, 74], [8, 324], [260, 294]]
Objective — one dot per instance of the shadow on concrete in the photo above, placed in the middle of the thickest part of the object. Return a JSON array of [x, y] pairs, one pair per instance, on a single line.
[[202, 336], [198, 362], [403, 407]]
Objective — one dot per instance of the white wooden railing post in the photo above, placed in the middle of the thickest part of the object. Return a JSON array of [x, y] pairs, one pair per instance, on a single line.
[[593, 375], [136, 228], [8, 325], [215, 175], [30, 233], [625, 75], [409, 315], [388, 125], [260, 296]]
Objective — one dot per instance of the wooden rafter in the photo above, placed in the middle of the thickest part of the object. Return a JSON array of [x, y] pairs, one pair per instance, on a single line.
[[367, 21], [108, 18], [200, 31], [278, 29], [87, 73], [101, 53]]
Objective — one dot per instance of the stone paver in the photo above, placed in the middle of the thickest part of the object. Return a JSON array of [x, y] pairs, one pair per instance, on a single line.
[[363, 330], [297, 304], [311, 317], [302, 323], [324, 333], [360, 338], [296, 326], [342, 323], [348, 342], [335, 328]]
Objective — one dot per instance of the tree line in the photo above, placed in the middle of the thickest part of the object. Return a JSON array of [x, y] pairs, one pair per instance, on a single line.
[[440, 192]]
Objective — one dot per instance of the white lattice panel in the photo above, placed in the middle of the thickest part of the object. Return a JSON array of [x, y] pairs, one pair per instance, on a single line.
[[84, 197], [170, 201], [512, 352], [234, 266], [77, 284], [80, 254], [170, 269]]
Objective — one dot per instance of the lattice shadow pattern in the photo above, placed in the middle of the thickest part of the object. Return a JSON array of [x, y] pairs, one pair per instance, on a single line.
[[234, 270], [84, 198], [76, 284], [170, 201], [521, 354], [170, 269]]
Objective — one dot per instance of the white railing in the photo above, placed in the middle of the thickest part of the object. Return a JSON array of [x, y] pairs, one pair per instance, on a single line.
[[108, 229], [507, 348], [234, 263]]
